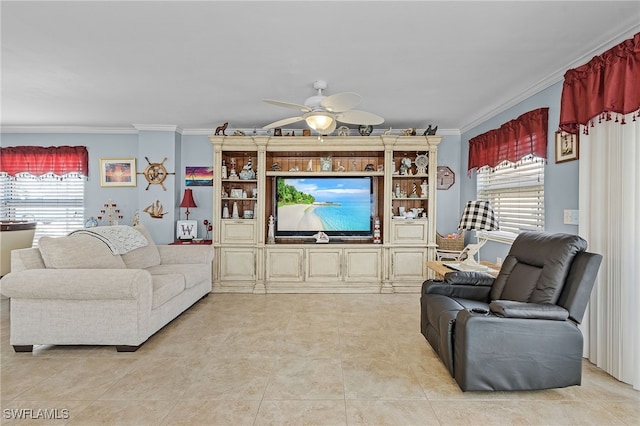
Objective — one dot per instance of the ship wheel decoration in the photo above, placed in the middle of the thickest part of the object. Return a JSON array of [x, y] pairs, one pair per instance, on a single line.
[[156, 173]]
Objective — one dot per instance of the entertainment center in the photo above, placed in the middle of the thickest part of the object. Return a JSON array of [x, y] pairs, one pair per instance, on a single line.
[[374, 196]]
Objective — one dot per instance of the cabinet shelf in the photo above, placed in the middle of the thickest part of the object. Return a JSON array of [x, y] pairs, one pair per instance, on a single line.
[[238, 199], [302, 172], [416, 176]]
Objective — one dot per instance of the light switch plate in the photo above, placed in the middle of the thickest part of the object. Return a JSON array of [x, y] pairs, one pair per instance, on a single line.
[[570, 217]]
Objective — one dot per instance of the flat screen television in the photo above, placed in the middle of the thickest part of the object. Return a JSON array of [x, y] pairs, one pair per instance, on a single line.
[[338, 206]]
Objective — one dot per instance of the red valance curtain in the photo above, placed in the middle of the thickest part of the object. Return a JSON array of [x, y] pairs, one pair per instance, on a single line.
[[609, 83], [39, 160], [514, 140]]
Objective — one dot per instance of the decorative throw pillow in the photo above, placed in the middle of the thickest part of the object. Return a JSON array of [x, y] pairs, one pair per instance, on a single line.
[[78, 252], [143, 257]]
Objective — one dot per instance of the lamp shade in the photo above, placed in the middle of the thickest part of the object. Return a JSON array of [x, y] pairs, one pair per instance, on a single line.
[[319, 121], [187, 199], [478, 215]]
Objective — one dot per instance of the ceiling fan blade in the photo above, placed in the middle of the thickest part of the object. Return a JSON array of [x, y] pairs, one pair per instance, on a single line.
[[341, 101], [355, 116], [283, 122], [288, 105]]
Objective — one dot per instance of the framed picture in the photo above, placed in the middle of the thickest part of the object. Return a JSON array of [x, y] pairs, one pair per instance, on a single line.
[[187, 229], [117, 172], [198, 176], [566, 147]]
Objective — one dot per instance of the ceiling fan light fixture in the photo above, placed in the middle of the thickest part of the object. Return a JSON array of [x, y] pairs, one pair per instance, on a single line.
[[319, 121]]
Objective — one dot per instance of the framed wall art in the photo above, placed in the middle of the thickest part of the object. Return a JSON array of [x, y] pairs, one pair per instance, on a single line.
[[117, 172], [198, 176], [567, 146]]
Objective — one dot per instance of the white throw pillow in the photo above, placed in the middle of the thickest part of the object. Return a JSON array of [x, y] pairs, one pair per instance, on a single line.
[[143, 257], [78, 252]]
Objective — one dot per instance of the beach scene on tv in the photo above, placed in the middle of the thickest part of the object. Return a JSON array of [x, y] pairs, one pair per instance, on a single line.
[[324, 204]]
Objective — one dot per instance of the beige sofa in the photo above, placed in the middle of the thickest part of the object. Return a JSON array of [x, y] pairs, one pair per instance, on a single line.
[[74, 291]]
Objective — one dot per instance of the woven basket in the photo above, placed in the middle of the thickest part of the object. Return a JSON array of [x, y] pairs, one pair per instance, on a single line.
[[456, 244]]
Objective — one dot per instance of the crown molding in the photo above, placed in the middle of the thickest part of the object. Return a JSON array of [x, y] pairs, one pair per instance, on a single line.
[[67, 129], [158, 128], [551, 79]]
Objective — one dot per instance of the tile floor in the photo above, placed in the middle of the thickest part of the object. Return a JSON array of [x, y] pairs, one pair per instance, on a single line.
[[325, 359]]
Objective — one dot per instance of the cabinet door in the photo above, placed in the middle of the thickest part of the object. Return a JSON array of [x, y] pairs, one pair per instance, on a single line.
[[408, 264], [409, 231], [362, 264], [238, 231], [237, 263], [324, 264], [285, 264]]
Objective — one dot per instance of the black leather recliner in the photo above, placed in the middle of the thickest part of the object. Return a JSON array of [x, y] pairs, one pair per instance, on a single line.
[[520, 330]]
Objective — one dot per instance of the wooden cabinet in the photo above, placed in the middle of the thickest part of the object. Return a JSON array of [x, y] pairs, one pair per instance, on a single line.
[[402, 170]]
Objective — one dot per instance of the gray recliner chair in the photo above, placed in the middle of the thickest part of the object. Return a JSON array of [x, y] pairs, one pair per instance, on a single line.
[[520, 330]]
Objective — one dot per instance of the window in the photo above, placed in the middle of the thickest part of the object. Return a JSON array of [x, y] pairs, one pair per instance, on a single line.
[[56, 203], [516, 193]]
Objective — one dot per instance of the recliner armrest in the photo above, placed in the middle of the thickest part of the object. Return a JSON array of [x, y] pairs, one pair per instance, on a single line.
[[472, 292], [468, 278], [513, 309]]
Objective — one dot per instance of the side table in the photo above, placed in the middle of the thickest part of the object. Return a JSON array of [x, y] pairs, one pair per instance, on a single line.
[[440, 269], [190, 242]]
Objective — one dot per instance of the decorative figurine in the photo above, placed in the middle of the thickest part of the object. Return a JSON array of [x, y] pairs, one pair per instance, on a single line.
[[223, 172], [369, 167], [221, 129], [340, 167], [405, 165], [387, 132], [239, 133], [430, 131], [310, 165], [155, 210], [271, 235], [321, 237], [411, 131], [365, 130], [414, 191], [277, 131], [234, 211], [247, 170], [343, 131], [232, 173], [225, 211], [424, 189]]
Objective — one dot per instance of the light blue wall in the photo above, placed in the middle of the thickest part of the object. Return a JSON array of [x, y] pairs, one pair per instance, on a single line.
[[561, 180], [180, 151], [448, 201]]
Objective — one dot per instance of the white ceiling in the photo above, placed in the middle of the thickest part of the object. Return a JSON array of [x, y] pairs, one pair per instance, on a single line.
[[197, 64]]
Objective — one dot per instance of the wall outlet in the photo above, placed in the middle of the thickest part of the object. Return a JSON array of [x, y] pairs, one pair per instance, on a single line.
[[570, 217]]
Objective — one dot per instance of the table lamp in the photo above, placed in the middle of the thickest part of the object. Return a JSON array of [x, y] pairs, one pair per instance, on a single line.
[[187, 201], [477, 216]]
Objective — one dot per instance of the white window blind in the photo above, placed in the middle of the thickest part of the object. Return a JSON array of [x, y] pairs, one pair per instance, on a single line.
[[516, 193], [56, 203]]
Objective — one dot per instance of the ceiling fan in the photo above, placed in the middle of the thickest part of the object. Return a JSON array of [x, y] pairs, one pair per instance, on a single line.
[[322, 112]]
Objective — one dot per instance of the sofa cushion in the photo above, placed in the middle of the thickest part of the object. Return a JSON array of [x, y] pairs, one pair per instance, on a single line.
[[193, 273], [165, 288], [143, 257], [77, 252]]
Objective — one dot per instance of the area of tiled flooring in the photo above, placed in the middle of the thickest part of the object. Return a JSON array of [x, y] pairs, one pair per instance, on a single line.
[[285, 360]]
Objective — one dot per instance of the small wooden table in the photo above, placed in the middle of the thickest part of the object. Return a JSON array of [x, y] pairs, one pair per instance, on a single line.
[[189, 242], [440, 269]]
